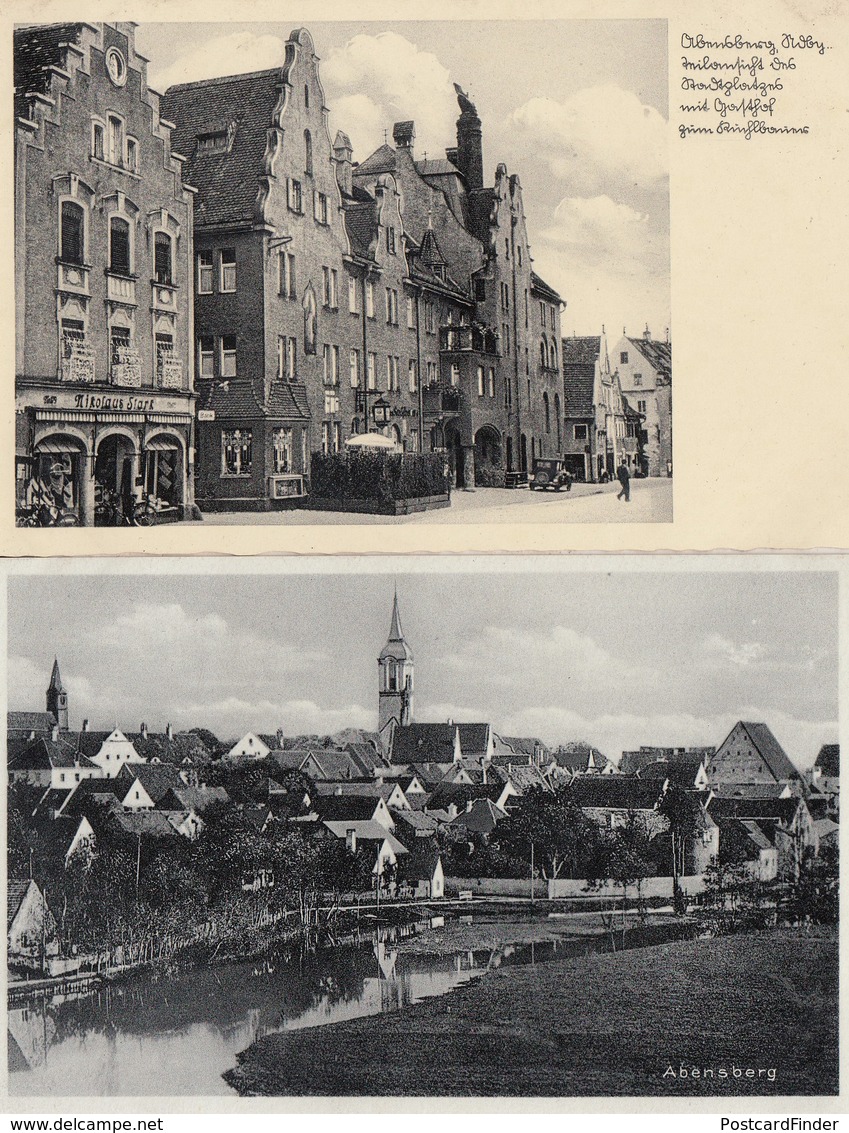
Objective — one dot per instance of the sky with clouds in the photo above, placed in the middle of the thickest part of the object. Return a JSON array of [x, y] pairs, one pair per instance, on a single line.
[[616, 658], [578, 108]]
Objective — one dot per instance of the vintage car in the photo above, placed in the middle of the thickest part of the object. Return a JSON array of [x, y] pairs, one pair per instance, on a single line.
[[550, 473]]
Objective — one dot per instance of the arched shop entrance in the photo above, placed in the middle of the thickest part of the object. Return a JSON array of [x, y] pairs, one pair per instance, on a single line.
[[115, 466], [163, 474], [57, 484]]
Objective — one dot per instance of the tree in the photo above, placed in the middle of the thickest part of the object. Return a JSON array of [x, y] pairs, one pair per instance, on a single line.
[[629, 858], [681, 811], [814, 896], [561, 835]]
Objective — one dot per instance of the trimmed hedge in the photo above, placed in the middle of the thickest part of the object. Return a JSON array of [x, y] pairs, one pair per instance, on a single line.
[[380, 476]]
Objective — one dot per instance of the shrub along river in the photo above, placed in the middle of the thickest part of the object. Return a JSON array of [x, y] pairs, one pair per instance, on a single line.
[[153, 1034]]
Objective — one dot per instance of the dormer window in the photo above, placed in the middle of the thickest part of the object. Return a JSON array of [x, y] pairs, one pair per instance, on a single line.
[[216, 141]]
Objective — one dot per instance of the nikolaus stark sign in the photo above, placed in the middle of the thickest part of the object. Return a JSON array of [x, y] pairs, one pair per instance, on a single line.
[[129, 402]]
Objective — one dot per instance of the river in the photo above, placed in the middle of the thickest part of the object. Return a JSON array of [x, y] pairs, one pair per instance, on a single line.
[[177, 1034]]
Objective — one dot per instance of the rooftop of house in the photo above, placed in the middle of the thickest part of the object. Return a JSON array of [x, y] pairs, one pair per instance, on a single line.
[[345, 807], [365, 830], [25, 724], [540, 287], [241, 107], [156, 778], [580, 756], [198, 799], [481, 818], [680, 772], [44, 754], [780, 810], [828, 760], [37, 48], [770, 750], [434, 743], [616, 792], [657, 354]]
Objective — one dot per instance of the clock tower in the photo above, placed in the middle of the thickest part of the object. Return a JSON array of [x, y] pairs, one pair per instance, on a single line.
[[395, 676]]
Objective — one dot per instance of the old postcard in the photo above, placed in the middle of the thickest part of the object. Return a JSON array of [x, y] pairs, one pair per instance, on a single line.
[[310, 279], [423, 828]]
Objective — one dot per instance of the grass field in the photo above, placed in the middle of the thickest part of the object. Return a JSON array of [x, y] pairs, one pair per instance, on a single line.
[[598, 1025]]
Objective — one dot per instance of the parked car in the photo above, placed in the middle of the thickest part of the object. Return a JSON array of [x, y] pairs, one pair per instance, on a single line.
[[550, 472]]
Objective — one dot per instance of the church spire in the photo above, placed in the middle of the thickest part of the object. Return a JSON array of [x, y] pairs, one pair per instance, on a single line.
[[55, 678], [395, 671], [395, 631], [57, 698]]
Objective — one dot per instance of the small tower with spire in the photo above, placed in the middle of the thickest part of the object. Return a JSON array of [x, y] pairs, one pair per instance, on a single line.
[[395, 676], [57, 698]]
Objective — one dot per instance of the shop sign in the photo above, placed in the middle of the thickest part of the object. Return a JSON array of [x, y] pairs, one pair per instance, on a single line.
[[403, 411], [130, 402]]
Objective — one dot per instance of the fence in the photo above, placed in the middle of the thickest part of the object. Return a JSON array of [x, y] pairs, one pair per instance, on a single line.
[[651, 887]]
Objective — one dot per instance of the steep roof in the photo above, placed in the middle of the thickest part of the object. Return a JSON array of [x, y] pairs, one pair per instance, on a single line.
[[770, 751], [381, 161], [657, 354], [579, 756], [241, 106], [682, 772], [579, 388], [481, 818], [360, 224], [582, 350], [36, 49], [828, 760], [16, 890], [43, 754], [780, 810], [340, 808], [366, 830], [198, 799], [461, 794], [156, 778], [523, 745]]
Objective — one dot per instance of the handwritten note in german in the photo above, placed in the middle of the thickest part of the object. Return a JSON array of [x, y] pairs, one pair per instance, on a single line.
[[738, 87]]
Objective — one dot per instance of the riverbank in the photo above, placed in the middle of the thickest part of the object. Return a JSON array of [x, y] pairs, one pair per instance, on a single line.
[[595, 1025]]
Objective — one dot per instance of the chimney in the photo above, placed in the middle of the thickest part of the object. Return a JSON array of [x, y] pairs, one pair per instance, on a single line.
[[342, 154], [351, 840], [85, 725], [667, 334], [169, 731], [143, 730], [280, 738], [404, 135], [469, 141], [453, 155], [468, 805], [647, 333]]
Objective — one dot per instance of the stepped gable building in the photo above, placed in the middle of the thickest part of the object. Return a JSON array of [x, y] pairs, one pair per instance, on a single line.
[[645, 371], [103, 268], [335, 298]]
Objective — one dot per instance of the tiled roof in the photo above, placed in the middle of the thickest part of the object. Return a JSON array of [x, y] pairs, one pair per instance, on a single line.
[[198, 799], [578, 390], [44, 753], [145, 823], [365, 830], [615, 792], [30, 721], [460, 794], [360, 224], [334, 765], [682, 772], [828, 760], [581, 350], [157, 778], [341, 808], [173, 750], [239, 399], [227, 182], [779, 810], [481, 818], [16, 890], [422, 824], [524, 745], [381, 161], [435, 167], [36, 49], [418, 864], [576, 756], [657, 354], [770, 751], [524, 777], [542, 288]]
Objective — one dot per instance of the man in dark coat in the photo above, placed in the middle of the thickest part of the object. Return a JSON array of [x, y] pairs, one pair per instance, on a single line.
[[624, 478]]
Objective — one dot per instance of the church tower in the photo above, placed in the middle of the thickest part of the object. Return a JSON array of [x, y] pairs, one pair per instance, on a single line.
[[395, 676], [57, 698]]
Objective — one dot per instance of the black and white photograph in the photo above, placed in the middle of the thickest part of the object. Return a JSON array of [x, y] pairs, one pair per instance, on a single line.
[[344, 273], [423, 827]]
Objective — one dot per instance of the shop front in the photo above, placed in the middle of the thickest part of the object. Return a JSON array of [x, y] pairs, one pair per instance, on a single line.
[[92, 459]]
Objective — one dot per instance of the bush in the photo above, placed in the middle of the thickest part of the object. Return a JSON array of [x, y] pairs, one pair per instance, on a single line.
[[381, 476]]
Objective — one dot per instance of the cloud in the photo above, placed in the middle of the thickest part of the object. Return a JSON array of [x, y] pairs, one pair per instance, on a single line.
[[599, 136], [164, 623], [377, 80], [610, 263], [231, 54], [233, 716], [746, 655]]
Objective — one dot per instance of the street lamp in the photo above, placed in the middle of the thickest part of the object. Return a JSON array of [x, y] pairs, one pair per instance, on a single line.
[[380, 411]]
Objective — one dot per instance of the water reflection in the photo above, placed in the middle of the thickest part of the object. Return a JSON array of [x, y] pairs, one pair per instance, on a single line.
[[177, 1035]]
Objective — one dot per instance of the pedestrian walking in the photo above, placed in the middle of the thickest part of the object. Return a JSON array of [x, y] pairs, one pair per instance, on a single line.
[[624, 478]]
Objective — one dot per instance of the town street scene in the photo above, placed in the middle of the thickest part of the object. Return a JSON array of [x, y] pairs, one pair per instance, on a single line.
[[341, 274], [426, 828]]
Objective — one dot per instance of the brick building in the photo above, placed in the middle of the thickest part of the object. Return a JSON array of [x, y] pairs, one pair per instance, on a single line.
[[103, 230], [335, 298], [645, 371]]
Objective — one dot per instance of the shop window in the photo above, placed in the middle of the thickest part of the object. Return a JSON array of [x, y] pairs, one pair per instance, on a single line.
[[282, 450], [119, 246], [162, 258], [206, 357], [228, 356], [227, 281], [72, 235], [236, 452], [205, 273]]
